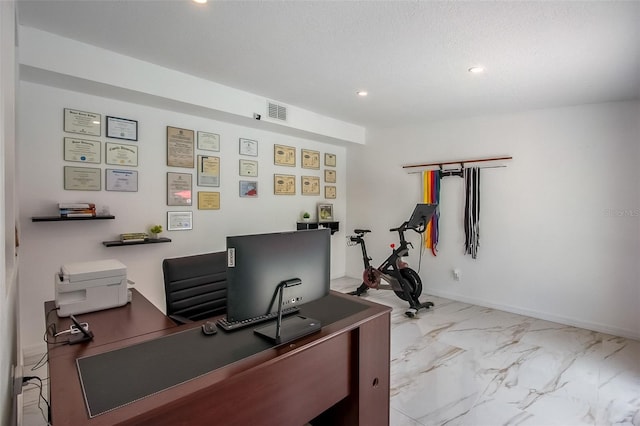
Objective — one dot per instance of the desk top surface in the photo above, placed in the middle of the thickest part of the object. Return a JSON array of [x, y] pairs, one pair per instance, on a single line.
[[128, 326]]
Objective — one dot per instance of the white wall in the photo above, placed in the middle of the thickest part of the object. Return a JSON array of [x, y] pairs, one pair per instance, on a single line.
[[70, 62], [8, 272], [46, 246], [559, 227]]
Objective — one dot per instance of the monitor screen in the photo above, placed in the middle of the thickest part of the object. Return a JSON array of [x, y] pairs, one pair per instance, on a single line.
[[256, 264], [421, 215]]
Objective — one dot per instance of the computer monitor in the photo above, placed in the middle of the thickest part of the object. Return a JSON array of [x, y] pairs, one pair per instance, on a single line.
[[256, 264], [421, 216]]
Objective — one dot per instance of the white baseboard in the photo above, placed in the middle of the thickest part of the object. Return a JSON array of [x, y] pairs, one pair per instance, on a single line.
[[32, 354], [601, 328]]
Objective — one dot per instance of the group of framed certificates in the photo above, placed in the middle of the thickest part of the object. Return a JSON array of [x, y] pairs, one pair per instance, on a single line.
[[284, 184], [181, 144], [81, 149]]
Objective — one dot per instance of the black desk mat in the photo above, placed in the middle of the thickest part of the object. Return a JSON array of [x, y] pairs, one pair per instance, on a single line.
[[122, 376]]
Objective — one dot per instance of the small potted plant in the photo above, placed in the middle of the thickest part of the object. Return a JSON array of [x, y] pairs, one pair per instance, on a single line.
[[155, 230], [306, 216]]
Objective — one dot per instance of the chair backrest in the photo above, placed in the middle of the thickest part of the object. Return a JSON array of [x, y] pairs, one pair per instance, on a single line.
[[196, 286]]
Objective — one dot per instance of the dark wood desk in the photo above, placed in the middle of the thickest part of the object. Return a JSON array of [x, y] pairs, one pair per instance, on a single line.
[[339, 376]]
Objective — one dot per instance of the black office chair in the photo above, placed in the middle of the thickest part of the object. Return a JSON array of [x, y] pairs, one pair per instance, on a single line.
[[195, 286]]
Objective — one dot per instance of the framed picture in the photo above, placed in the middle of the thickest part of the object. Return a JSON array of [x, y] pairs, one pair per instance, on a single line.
[[248, 188], [330, 160], [325, 212], [82, 122], [248, 168], [310, 185], [248, 147], [179, 189], [284, 184], [208, 170], [122, 128], [208, 200], [180, 150], [208, 141], [284, 155], [121, 180], [82, 178], [310, 159], [329, 192], [120, 154], [82, 150], [330, 176], [179, 221]]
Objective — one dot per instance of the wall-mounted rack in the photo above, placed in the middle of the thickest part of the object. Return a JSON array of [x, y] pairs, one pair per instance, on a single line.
[[487, 163], [119, 243]]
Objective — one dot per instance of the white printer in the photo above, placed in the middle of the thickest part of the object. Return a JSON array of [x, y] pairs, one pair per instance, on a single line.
[[90, 286]]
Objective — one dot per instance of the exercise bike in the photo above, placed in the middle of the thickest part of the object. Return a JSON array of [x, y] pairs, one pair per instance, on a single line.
[[404, 281]]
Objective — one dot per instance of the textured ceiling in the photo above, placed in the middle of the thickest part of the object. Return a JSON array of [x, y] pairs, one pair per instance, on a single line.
[[411, 56]]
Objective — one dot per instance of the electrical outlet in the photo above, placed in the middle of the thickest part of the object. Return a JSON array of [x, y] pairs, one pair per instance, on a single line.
[[17, 374], [457, 274]]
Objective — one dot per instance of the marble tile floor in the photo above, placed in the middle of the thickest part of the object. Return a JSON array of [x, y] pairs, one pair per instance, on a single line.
[[461, 364]]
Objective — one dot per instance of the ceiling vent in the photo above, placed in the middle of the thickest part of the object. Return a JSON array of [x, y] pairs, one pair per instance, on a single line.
[[277, 112]]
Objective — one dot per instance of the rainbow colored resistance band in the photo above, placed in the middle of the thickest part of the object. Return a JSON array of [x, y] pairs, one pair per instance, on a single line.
[[431, 190]]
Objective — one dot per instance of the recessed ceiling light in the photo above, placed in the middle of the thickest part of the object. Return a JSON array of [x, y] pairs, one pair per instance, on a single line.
[[362, 93], [200, 1], [476, 70]]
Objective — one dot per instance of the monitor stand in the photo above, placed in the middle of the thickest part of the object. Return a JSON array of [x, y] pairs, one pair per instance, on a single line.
[[291, 328]]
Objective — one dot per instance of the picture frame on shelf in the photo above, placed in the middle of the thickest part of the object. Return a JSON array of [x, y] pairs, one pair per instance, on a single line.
[[325, 212]]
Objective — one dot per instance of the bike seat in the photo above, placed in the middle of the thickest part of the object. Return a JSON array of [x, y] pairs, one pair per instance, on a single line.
[[361, 231]]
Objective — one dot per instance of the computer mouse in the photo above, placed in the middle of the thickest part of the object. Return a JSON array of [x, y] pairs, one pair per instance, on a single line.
[[209, 328]]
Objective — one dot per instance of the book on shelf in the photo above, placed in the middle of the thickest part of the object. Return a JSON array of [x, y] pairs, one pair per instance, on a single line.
[[75, 211], [132, 237], [63, 206], [77, 215]]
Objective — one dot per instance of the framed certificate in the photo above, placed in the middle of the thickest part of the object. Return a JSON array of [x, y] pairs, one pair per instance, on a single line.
[[180, 150], [179, 221], [330, 176], [248, 168], [208, 141], [82, 178], [330, 160], [329, 192], [121, 180], [208, 170], [82, 122], [284, 184], [310, 185], [248, 147], [179, 189], [122, 128], [208, 200], [248, 188], [310, 159], [284, 155], [82, 150], [121, 154]]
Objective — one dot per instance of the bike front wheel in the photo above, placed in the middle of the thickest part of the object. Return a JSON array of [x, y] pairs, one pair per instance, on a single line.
[[413, 281]]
